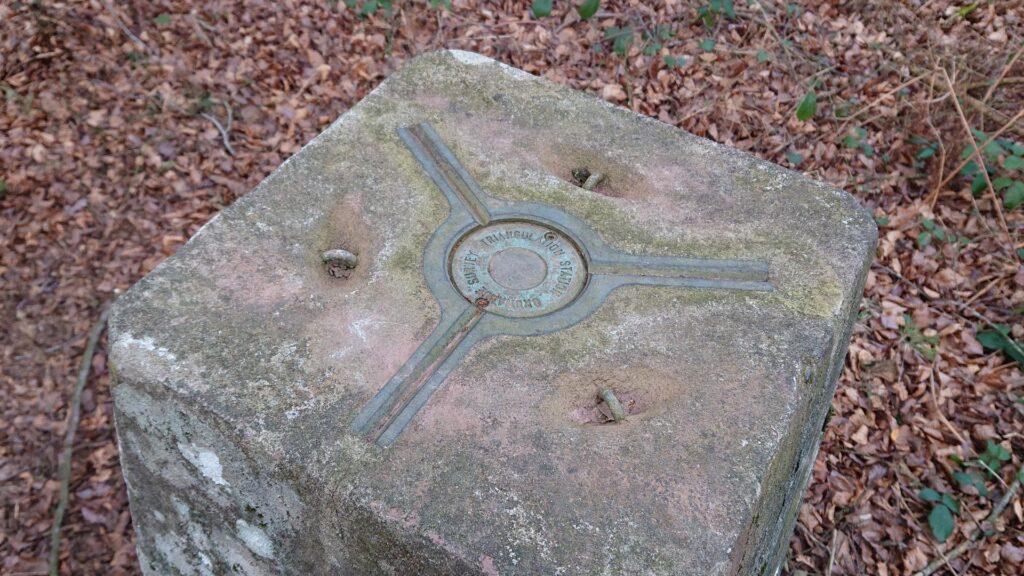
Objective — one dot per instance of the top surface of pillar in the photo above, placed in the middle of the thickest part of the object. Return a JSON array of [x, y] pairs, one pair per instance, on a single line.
[[523, 251]]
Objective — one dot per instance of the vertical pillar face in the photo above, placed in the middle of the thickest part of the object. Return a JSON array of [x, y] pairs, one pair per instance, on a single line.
[[520, 374]]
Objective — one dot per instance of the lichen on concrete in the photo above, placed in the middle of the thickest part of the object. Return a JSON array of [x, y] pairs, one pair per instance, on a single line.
[[240, 362]]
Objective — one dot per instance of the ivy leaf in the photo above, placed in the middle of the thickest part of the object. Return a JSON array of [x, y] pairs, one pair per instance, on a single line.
[[794, 158], [1014, 163], [707, 44], [967, 479], [997, 452], [941, 522], [999, 340], [541, 8], [164, 19], [369, 8], [623, 39], [951, 503], [1002, 182], [675, 61], [924, 239], [929, 495], [588, 8], [1014, 196], [763, 56], [979, 183], [808, 106]]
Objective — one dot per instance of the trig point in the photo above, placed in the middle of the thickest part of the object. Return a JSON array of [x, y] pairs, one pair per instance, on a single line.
[[485, 325]]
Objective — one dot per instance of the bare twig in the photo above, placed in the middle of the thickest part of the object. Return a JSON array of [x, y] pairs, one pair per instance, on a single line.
[[877, 101], [992, 88], [993, 113], [222, 129], [977, 154], [832, 552], [74, 413], [127, 32], [938, 409], [938, 138], [966, 544], [1004, 81]]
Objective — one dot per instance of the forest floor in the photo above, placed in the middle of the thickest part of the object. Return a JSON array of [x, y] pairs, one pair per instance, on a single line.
[[112, 155]]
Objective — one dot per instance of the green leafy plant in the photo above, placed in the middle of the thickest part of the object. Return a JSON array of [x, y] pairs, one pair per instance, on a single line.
[[707, 44], [856, 141], [1004, 161], [941, 518], [588, 8], [795, 158], [966, 9], [763, 56], [808, 106], [993, 457], [926, 345], [926, 151], [541, 8], [621, 39], [163, 19], [674, 61], [966, 479], [999, 339], [931, 232], [370, 7], [710, 12], [653, 39]]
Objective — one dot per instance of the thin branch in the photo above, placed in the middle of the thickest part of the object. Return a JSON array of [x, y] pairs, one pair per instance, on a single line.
[[992, 88], [938, 138], [74, 413], [832, 552], [127, 32], [938, 408], [877, 101], [977, 154], [222, 129], [992, 113], [1004, 81]]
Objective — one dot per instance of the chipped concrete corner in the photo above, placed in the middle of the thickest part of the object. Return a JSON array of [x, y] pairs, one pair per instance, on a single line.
[[254, 401]]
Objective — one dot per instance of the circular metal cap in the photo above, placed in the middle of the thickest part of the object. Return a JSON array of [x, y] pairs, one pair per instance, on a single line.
[[518, 269]]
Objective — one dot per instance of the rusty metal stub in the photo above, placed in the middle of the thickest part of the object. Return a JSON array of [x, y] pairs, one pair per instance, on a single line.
[[522, 269]]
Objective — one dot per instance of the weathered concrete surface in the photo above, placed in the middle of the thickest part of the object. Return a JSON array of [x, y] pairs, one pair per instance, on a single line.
[[240, 363]]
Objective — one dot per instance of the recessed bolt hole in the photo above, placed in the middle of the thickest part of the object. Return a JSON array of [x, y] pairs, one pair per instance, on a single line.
[[618, 412], [339, 262], [580, 175], [586, 179]]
